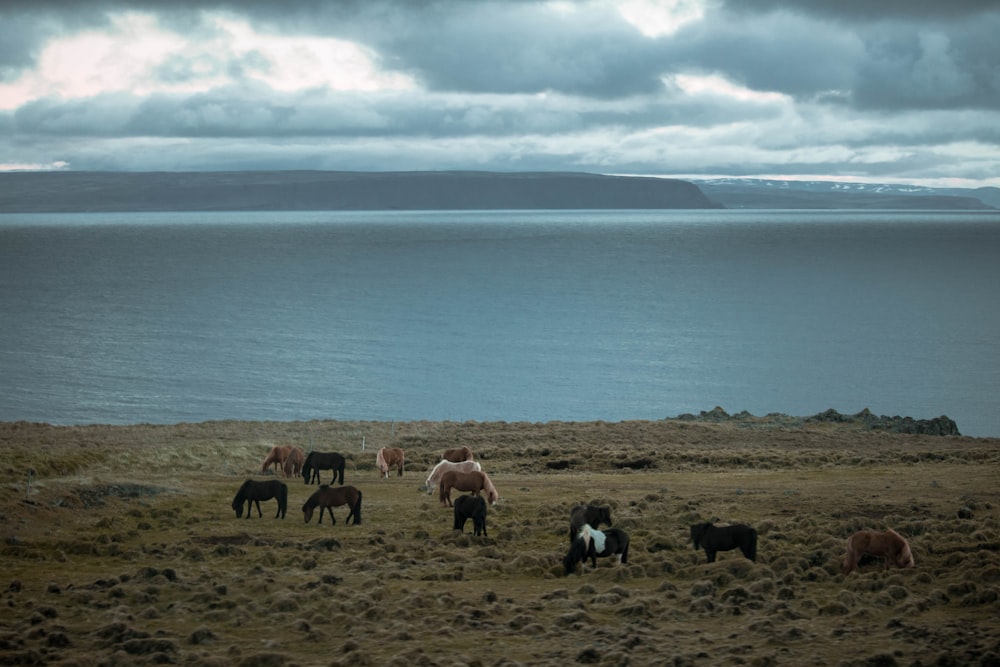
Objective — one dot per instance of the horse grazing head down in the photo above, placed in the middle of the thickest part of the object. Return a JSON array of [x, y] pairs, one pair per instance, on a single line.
[[434, 477], [888, 545], [592, 515], [592, 543]]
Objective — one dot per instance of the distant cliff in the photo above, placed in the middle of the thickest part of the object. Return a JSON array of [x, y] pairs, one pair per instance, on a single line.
[[333, 190], [769, 193]]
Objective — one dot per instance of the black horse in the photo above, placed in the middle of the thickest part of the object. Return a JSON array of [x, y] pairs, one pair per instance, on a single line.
[[592, 515], [471, 507], [253, 492], [317, 461], [712, 539], [591, 543]]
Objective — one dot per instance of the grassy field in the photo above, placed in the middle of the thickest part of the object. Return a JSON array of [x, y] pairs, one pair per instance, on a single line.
[[120, 547]]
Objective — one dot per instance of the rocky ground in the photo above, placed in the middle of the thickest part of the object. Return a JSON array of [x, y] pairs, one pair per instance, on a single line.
[[120, 546]]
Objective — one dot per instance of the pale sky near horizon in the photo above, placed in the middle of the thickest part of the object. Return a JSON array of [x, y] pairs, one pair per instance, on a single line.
[[900, 91]]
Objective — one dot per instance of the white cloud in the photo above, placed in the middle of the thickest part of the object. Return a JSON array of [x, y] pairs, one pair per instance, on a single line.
[[656, 18]]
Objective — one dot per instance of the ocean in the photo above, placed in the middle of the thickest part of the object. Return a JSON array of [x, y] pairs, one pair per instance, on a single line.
[[498, 315]]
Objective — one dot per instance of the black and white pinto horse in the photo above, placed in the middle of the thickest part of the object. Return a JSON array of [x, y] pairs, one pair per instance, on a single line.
[[471, 507], [591, 543], [594, 515], [725, 538]]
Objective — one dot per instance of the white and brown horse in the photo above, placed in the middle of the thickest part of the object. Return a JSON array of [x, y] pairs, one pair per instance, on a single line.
[[473, 482], [389, 457], [888, 545], [434, 477], [457, 454]]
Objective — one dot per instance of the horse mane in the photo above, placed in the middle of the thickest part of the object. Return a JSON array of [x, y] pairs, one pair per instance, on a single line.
[[491, 490], [380, 460]]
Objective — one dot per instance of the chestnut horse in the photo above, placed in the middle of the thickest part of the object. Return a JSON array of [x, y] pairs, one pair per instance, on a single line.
[[591, 515], [275, 457], [457, 454], [294, 461], [387, 457], [474, 482], [435, 474], [888, 545], [328, 497]]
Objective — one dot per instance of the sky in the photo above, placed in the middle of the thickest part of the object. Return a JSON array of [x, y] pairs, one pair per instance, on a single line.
[[900, 91]]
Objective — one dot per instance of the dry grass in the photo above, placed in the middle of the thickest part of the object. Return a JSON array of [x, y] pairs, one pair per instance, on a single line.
[[121, 548]]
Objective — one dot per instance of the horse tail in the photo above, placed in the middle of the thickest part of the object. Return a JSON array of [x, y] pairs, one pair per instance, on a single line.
[[625, 541], [343, 464], [752, 546], [357, 509], [850, 560], [402, 461]]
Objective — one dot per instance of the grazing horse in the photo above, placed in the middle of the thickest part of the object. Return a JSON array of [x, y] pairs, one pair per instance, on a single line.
[[888, 545], [713, 539], [252, 492], [435, 475], [471, 507], [474, 481], [591, 543], [387, 457], [293, 462], [317, 461], [593, 515], [275, 457], [327, 497], [457, 454]]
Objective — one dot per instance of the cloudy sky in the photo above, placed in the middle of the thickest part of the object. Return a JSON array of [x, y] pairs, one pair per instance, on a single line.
[[888, 90]]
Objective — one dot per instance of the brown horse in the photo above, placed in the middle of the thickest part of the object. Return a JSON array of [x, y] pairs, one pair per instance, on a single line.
[[275, 457], [293, 461], [434, 477], [387, 457], [888, 545], [473, 482], [327, 497], [457, 454]]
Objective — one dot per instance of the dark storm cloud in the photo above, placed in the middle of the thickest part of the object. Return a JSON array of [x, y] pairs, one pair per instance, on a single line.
[[868, 10], [853, 86]]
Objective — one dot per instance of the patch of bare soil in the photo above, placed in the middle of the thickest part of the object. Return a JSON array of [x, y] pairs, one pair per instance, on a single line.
[[121, 547]]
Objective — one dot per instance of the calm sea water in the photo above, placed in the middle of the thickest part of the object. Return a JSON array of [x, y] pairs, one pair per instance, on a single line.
[[537, 316]]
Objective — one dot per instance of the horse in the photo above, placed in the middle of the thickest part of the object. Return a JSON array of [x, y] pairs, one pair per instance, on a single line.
[[327, 497], [293, 462], [435, 474], [276, 457], [457, 454], [713, 539], [317, 461], [591, 543], [474, 481], [387, 457], [888, 545], [471, 507], [252, 492], [593, 515]]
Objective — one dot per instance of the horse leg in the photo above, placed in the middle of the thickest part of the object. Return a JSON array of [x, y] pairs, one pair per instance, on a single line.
[[710, 553], [260, 514]]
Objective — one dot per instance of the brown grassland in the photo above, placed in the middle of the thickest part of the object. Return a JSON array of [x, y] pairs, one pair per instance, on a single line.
[[120, 547]]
